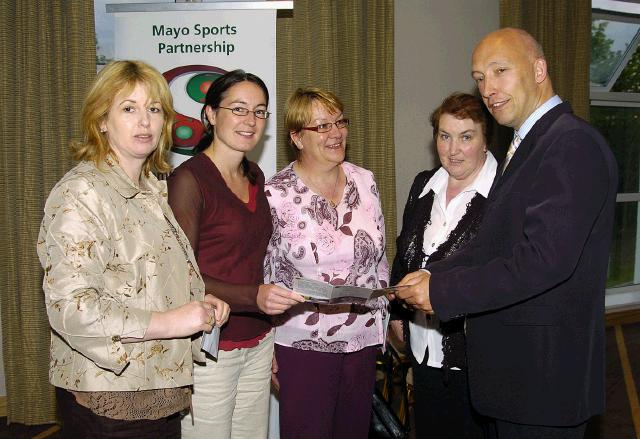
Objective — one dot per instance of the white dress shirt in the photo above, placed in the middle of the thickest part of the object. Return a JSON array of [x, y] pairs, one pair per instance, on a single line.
[[444, 218], [543, 109]]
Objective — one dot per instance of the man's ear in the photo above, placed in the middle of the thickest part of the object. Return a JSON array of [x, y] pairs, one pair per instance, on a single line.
[[540, 70]]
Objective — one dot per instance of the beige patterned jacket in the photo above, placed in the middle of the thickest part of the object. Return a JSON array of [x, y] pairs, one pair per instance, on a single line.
[[110, 259]]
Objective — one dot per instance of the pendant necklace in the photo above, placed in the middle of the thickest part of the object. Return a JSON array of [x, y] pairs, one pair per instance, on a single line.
[[333, 192]]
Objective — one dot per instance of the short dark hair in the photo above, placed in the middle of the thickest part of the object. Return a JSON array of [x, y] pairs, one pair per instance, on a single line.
[[464, 106]]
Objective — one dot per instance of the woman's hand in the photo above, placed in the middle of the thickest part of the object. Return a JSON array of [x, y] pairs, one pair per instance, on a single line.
[[221, 309], [273, 299], [179, 322], [274, 373]]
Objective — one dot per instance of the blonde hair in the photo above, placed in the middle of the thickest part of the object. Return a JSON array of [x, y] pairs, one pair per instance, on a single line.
[[122, 77], [300, 109]]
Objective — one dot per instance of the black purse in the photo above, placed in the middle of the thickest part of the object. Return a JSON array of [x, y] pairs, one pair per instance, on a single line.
[[384, 422]]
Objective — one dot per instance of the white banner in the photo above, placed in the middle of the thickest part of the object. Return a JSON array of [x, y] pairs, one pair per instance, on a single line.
[[192, 49]]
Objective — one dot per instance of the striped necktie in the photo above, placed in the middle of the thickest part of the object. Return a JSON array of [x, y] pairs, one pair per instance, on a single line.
[[511, 151]]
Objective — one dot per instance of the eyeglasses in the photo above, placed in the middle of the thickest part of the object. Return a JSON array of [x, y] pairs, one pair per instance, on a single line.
[[326, 127], [241, 111]]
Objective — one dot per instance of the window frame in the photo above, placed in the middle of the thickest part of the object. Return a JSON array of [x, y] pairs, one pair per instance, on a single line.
[[621, 17], [629, 295]]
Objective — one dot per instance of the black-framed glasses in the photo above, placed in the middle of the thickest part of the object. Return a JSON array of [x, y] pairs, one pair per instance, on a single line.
[[326, 127], [241, 111]]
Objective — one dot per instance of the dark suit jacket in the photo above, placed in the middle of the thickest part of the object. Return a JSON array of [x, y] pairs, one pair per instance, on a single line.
[[532, 283]]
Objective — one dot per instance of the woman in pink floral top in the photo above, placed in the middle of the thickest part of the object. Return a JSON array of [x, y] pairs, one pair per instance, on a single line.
[[327, 226]]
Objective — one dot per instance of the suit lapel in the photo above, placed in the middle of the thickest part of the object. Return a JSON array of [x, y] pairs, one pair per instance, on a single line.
[[528, 144]]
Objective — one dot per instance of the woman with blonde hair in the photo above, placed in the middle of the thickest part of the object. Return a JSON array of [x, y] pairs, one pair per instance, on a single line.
[[328, 226], [122, 288]]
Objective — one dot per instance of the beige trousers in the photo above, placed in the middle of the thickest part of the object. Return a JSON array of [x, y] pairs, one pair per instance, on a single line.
[[231, 395]]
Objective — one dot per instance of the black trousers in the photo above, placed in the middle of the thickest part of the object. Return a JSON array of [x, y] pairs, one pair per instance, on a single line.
[[78, 422], [497, 429], [442, 408]]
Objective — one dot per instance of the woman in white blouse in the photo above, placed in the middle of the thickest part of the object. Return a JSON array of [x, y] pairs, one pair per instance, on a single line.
[[442, 215]]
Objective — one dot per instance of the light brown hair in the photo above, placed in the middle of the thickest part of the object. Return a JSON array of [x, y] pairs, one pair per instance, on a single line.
[[300, 109]]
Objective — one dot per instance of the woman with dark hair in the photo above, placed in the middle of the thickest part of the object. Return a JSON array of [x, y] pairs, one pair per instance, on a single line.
[[442, 215], [218, 198]]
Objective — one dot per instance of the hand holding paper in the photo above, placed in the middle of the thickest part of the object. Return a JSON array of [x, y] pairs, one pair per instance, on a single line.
[[220, 316], [273, 299], [416, 292], [220, 309]]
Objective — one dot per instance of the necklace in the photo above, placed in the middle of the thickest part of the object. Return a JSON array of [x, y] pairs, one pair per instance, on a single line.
[[333, 191], [317, 187]]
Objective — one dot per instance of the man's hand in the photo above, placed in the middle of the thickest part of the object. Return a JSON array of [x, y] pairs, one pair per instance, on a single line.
[[417, 295]]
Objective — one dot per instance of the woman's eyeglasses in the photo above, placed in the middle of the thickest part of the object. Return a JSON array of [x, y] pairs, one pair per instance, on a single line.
[[241, 111], [326, 127]]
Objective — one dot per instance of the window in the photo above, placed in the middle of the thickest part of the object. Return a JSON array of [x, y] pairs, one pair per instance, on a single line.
[[615, 110]]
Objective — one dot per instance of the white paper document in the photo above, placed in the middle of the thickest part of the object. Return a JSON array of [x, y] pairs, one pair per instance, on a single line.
[[210, 341], [322, 292]]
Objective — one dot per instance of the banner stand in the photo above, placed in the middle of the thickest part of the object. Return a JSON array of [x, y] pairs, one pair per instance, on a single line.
[[193, 44]]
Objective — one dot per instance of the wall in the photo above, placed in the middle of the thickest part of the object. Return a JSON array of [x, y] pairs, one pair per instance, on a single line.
[[433, 44]]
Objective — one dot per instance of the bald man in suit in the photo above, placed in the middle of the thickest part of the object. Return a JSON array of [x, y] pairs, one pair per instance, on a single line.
[[531, 284]]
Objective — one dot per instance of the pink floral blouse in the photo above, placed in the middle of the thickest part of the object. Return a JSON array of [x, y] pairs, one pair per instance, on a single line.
[[344, 245]]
